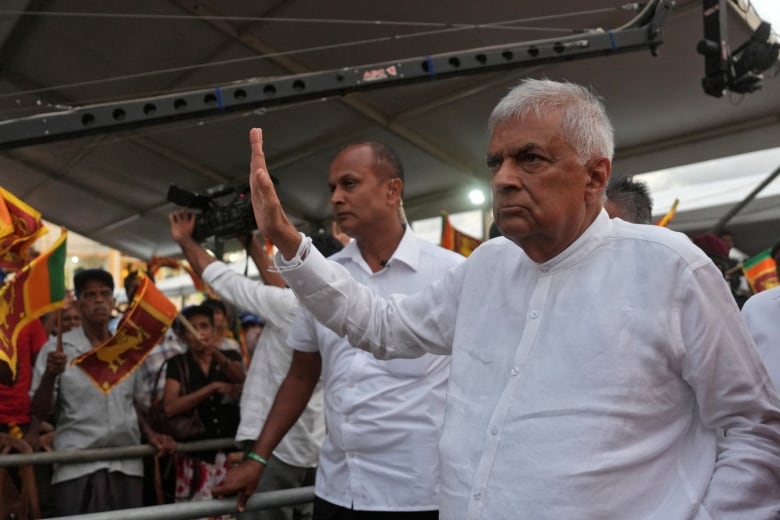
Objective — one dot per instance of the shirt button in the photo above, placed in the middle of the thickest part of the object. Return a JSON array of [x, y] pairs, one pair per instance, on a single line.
[[478, 495], [494, 430], [534, 315], [515, 371], [544, 269]]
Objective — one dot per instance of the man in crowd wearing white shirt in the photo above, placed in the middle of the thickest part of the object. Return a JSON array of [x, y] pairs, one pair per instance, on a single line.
[[379, 459], [762, 315], [594, 361], [294, 460]]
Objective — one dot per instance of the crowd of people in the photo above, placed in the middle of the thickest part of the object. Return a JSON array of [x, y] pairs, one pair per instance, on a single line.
[[579, 364]]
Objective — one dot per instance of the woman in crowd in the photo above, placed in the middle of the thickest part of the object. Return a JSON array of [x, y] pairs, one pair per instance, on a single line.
[[205, 381]]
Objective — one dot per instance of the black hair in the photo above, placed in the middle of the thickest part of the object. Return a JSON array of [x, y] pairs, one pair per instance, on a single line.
[[191, 311], [633, 197], [85, 275], [215, 305], [326, 244]]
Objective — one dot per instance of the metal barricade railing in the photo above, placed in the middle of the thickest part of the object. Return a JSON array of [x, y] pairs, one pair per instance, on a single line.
[[181, 510], [115, 453], [204, 508]]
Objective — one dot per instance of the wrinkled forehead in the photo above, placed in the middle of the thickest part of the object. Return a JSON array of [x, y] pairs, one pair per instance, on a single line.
[[526, 130]]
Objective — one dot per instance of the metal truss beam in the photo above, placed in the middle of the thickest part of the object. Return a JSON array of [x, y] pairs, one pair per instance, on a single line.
[[253, 94]]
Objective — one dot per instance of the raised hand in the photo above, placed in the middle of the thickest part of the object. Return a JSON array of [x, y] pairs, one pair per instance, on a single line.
[[182, 224], [270, 217]]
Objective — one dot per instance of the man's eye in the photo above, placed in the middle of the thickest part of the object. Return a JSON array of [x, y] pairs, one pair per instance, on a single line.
[[529, 158], [494, 163]]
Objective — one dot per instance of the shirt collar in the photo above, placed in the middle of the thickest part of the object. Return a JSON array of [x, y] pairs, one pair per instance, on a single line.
[[590, 239], [407, 252]]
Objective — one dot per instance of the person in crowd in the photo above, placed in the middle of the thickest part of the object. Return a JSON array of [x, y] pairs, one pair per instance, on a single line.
[[209, 381], [88, 418], [735, 254], [629, 199], [251, 329], [761, 312], [718, 250], [595, 363], [222, 324], [740, 286], [379, 457], [293, 462], [15, 401], [70, 318]]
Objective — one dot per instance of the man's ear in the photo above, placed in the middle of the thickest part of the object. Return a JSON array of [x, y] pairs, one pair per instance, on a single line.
[[395, 188], [599, 170]]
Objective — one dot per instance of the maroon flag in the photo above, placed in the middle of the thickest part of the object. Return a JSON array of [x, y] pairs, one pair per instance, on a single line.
[[140, 329]]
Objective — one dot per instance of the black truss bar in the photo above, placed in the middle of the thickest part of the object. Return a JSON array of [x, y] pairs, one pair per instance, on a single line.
[[252, 94]]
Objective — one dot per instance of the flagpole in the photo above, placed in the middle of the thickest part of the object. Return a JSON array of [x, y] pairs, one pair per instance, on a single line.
[[59, 329], [188, 325]]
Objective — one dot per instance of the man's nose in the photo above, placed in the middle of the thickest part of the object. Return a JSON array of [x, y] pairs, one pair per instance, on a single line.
[[506, 178]]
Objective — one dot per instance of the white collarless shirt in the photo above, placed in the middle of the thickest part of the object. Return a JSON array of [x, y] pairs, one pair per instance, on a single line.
[[590, 386], [383, 417]]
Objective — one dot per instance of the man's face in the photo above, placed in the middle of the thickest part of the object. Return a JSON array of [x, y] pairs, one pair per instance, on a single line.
[[95, 302], [360, 195], [220, 322], [206, 336], [542, 195], [70, 319]]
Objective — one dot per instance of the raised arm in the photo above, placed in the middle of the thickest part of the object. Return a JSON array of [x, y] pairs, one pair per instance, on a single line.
[[271, 218], [182, 224]]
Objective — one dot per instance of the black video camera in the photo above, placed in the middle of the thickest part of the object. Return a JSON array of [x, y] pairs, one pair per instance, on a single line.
[[225, 211]]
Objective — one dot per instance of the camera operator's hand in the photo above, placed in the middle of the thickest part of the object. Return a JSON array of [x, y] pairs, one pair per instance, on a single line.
[[270, 216], [182, 224]]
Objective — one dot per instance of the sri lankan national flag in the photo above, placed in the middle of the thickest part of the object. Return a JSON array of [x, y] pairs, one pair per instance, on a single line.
[[30, 293], [156, 262], [760, 271], [140, 329], [20, 227], [455, 240]]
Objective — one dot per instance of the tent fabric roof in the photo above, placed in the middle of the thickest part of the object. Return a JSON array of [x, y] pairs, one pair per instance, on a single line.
[[112, 186]]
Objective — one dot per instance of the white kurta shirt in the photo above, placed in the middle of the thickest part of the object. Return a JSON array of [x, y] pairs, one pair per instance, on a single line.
[[590, 386], [383, 417], [762, 315], [270, 363]]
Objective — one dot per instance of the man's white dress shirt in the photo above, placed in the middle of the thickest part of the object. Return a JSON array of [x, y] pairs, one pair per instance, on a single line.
[[762, 315], [270, 363], [590, 386], [383, 417]]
